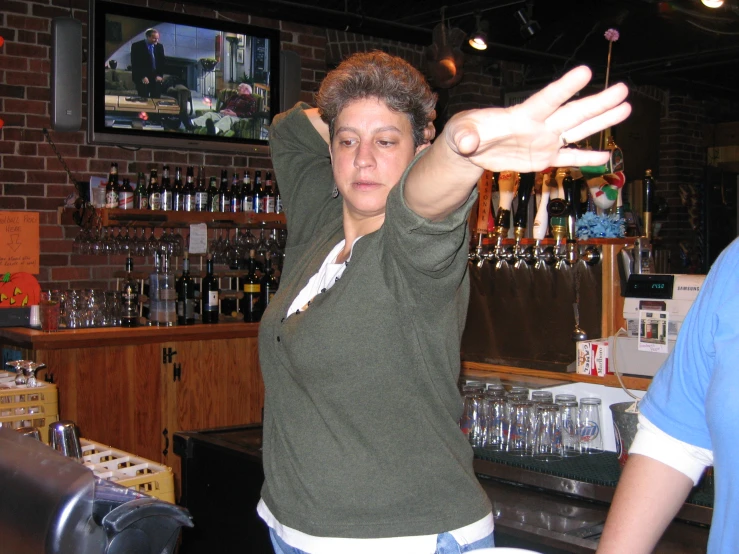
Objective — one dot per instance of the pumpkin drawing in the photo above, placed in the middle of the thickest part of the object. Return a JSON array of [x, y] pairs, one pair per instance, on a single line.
[[18, 290]]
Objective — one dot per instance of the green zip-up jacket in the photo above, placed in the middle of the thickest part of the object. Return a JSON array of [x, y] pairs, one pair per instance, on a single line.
[[361, 436]]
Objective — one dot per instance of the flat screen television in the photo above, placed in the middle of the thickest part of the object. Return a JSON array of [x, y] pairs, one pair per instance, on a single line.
[[173, 80]]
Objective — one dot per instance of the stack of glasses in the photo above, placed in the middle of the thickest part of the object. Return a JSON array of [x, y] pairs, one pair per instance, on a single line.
[[541, 425]]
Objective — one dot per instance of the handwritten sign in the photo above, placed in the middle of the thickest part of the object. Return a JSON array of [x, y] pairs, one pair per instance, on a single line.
[[19, 242], [198, 238]]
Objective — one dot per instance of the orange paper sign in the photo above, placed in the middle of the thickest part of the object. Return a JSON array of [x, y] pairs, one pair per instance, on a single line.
[[19, 242]]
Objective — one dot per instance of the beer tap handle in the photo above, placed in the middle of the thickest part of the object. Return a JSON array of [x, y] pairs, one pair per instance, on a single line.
[[525, 189], [541, 221]]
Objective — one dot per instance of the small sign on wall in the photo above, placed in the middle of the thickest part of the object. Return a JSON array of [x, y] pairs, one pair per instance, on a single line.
[[19, 242]]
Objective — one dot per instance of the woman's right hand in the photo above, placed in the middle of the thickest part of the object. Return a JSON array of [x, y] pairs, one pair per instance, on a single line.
[[531, 136]]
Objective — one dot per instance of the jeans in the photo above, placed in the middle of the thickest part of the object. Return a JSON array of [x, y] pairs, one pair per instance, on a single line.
[[445, 544]]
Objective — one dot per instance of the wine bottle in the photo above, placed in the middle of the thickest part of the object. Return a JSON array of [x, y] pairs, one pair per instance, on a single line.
[[111, 189], [155, 194], [201, 192], [167, 295], [209, 294], [269, 284], [251, 303], [130, 298], [224, 195], [141, 195], [257, 205], [185, 295], [125, 196]]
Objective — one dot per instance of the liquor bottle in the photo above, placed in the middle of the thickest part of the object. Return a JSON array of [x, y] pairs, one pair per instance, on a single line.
[[224, 195], [278, 198], [246, 194], [188, 191], [201, 192], [251, 303], [167, 295], [213, 205], [111, 189], [235, 194], [155, 194], [125, 196], [258, 193], [167, 192], [209, 294], [185, 295], [268, 200], [141, 195], [269, 285], [130, 298], [178, 201], [154, 318]]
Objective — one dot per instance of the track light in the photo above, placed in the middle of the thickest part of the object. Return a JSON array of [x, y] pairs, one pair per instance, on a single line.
[[713, 3], [479, 39], [529, 27]]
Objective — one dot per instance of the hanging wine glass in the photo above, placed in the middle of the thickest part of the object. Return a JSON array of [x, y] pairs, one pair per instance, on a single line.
[[17, 366]]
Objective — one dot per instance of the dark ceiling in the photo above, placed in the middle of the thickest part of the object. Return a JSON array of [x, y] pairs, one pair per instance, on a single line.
[[679, 44]]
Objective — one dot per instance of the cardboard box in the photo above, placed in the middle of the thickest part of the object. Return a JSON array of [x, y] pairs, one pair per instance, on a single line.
[[593, 357]]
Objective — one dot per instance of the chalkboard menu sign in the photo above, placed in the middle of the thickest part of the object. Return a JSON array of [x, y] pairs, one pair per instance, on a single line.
[[260, 60]]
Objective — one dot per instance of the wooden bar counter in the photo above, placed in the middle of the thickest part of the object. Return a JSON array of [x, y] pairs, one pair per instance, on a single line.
[[133, 388]]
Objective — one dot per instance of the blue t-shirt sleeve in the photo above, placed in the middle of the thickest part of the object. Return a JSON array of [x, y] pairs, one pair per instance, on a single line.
[[684, 389]]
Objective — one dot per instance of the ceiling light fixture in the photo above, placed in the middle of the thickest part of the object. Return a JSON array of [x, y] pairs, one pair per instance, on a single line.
[[479, 39], [529, 27], [712, 3]]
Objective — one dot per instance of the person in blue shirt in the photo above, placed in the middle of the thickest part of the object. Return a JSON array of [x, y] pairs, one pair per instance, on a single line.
[[687, 422], [147, 65]]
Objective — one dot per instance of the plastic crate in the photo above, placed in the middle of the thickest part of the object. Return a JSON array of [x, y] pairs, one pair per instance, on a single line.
[[28, 407], [128, 470]]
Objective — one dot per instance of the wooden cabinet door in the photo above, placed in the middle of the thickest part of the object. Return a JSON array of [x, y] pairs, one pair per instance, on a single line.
[[113, 393], [219, 384]]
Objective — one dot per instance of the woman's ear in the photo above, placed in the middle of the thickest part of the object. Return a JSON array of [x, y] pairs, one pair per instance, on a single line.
[[422, 146]]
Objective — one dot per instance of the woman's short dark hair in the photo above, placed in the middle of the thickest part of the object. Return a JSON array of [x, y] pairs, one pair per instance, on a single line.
[[377, 75]]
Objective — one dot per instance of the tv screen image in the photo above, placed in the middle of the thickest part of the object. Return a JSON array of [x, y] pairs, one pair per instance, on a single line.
[[169, 79]]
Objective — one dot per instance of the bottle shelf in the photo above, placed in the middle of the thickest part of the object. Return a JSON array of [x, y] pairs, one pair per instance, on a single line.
[[114, 217]]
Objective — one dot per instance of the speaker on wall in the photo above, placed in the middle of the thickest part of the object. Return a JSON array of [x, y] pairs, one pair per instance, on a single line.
[[66, 74], [289, 79]]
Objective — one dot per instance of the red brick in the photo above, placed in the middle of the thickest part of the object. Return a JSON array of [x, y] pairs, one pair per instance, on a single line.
[[312, 40], [87, 152], [53, 260], [42, 65], [98, 167], [11, 91], [12, 203], [26, 50], [7, 147], [26, 22], [168, 156], [49, 12], [86, 259], [27, 149], [12, 6], [46, 177], [144, 156], [74, 164], [25, 190], [14, 119], [70, 273], [20, 162], [56, 246], [33, 203], [50, 232], [38, 93], [218, 161], [8, 176], [25, 106], [13, 62], [59, 191], [103, 272], [68, 138], [115, 154], [66, 150], [30, 37]]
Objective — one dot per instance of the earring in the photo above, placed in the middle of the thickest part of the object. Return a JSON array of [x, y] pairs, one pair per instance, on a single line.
[[335, 192]]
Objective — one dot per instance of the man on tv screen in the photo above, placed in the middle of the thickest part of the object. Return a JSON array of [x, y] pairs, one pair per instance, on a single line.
[[239, 106], [148, 64]]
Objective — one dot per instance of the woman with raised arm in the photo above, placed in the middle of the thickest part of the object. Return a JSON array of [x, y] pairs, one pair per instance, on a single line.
[[360, 348]]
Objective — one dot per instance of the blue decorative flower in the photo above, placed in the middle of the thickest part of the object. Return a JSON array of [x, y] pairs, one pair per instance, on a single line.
[[593, 226]]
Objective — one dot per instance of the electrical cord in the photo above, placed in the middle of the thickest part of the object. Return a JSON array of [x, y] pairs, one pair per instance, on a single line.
[[622, 333]]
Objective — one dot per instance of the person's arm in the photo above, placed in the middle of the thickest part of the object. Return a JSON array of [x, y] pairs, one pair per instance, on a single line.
[[525, 138], [648, 496], [318, 124]]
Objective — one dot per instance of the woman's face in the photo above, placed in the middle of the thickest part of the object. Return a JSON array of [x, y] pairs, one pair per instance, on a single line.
[[371, 148]]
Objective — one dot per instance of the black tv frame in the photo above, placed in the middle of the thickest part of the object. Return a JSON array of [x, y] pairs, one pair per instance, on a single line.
[[99, 134]]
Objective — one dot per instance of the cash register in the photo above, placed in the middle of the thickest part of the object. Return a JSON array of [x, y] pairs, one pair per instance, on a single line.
[[670, 293]]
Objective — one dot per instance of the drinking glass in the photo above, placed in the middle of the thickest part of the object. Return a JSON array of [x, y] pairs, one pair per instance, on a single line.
[[570, 428], [72, 306], [497, 427], [548, 441], [519, 427], [562, 397], [473, 422], [591, 438], [542, 397], [49, 311]]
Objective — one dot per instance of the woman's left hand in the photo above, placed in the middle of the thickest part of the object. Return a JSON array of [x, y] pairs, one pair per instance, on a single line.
[[531, 136]]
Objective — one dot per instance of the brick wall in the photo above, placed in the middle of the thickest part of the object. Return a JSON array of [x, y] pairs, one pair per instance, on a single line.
[[32, 178]]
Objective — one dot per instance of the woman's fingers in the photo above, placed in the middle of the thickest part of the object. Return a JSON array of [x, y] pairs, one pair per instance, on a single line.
[[597, 123], [548, 100], [598, 108]]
